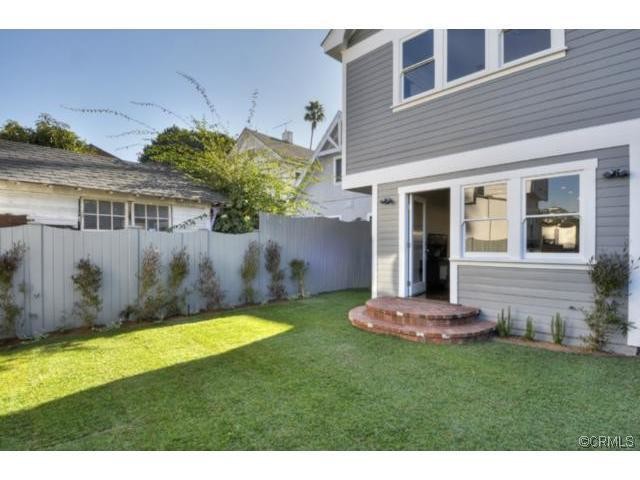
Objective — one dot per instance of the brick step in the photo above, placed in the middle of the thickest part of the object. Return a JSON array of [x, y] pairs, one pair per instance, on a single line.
[[420, 312], [462, 333]]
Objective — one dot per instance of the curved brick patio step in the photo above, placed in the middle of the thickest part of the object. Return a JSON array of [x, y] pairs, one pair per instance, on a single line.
[[461, 333], [420, 312]]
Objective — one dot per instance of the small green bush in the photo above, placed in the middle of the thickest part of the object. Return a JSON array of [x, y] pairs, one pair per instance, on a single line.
[[87, 281], [610, 274], [178, 272], [277, 290], [529, 333], [299, 269], [208, 285], [557, 329], [10, 261], [249, 271], [503, 325], [150, 295]]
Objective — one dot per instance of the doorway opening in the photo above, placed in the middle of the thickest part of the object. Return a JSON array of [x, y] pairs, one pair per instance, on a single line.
[[428, 227]]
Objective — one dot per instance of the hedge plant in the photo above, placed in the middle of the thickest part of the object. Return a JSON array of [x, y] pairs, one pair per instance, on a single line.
[[10, 261], [87, 281]]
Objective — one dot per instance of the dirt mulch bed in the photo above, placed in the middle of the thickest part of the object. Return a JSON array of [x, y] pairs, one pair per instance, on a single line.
[[553, 347]]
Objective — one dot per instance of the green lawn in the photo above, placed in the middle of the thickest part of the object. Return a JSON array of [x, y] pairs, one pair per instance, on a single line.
[[298, 376]]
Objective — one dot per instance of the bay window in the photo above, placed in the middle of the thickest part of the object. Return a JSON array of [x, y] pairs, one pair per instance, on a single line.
[[552, 214], [485, 218]]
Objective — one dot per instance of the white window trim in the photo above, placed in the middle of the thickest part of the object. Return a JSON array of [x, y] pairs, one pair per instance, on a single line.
[[464, 220], [133, 213], [515, 255], [494, 67], [103, 199], [435, 59], [583, 183], [335, 170]]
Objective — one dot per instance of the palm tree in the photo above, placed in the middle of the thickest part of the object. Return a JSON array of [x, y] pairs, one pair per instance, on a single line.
[[315, 115]]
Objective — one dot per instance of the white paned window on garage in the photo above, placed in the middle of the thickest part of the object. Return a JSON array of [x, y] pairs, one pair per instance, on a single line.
[[103, 215], [151, 217]]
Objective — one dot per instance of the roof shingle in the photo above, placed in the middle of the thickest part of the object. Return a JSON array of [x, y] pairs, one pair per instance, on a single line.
[[52, 166]]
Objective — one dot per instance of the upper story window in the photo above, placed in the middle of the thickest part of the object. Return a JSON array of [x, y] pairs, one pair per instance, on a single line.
[[103, 215], [337, 170], [517, 44], [553, 214], [432, 63], [151, 217], [418, 64], [465, 53], [485, 218]]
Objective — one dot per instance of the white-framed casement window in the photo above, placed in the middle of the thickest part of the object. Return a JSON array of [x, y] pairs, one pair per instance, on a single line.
[[430, 63], [466, 53], [552, 215], [485, 222], [103, 214], [418, 64], [151, 217], [337, 170], [518, 44]]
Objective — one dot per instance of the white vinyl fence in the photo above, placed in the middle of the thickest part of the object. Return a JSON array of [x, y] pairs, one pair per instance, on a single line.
[[339, 254]]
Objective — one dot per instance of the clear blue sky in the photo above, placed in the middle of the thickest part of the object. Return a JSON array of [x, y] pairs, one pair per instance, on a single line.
[[42, 70]]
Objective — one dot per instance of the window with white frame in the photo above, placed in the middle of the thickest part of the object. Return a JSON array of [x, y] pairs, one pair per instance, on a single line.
[[151, 217], [103, 215], [518, 44], [465, 53], [418, 64], [431, 63], [485, 218], [552, 214], [337, 170]]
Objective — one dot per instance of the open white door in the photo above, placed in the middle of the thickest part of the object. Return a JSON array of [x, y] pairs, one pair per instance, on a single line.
[[417, 254]]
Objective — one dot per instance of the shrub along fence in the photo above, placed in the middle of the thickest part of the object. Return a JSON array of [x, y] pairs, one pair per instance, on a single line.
[[338, 254]]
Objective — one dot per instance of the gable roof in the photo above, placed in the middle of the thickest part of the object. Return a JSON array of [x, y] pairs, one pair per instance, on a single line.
[[280, 147], [52, 166]]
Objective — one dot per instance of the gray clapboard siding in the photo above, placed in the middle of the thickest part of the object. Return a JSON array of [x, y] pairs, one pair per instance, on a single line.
[[339, 254], [492, 289], [596, 83], [538, 293]]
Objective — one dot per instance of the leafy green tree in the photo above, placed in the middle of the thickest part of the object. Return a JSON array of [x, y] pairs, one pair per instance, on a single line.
[[48, 132], [314, 115], [183, 142]]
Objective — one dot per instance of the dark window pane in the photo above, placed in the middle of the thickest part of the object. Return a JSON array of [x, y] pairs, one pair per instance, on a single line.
[[104, 208], [163, 212], [164, 225], [338, 170], [152, 211], [90, 222], [90, 206], [465, 52], [486, 236], [105, 222], [553, 234], [520, 43], [140, 222], [118, 208], [419, 80], [138, 210], [417, 49], [488, 201], [152, 224], [118, 223], [553, 195]]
